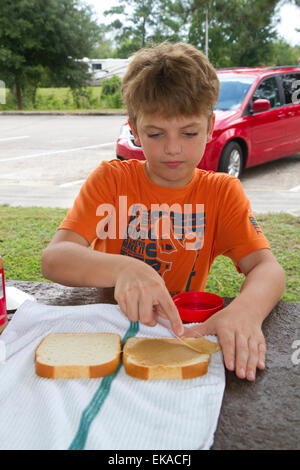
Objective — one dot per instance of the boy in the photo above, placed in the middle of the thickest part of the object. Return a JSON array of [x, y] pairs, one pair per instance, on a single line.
[[170, 91]]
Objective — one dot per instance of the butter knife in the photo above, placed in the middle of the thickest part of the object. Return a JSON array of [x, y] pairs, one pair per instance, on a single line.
[[203, 345]]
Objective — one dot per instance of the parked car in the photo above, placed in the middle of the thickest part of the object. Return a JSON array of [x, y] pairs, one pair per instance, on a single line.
[[257, 120]]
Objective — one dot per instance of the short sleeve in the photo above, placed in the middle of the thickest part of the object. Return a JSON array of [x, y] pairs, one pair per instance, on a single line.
[[98, 189], [238, 233]]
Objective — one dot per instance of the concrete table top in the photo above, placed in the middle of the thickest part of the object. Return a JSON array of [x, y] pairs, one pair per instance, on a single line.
[[259, 415]]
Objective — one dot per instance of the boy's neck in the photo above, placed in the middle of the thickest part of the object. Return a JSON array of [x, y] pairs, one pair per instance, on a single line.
[[169, 183]]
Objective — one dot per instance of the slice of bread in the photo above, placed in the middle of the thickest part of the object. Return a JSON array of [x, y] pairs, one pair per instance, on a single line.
[[77, 355], [156, 358]]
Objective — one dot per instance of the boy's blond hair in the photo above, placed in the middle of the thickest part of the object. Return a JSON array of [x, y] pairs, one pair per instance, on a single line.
[[171, 79]]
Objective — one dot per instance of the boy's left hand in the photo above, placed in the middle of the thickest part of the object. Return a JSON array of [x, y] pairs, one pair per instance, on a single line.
[[241, 339]]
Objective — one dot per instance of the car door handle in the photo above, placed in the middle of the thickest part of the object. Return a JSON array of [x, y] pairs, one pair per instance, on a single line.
[[290, 113], [281, 115]]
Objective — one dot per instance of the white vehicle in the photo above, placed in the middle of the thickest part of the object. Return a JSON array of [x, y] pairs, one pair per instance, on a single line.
[[106, 68]]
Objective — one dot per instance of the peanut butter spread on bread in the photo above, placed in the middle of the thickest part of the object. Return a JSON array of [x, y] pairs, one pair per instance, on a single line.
[[168, 352]]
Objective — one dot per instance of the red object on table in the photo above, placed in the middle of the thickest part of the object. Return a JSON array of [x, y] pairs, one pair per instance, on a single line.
[[197, 306]]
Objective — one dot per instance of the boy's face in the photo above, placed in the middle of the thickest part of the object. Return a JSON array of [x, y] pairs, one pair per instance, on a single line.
[[173, 147]]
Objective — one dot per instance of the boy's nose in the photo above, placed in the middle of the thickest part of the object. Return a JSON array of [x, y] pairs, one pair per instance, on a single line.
[[172, 147]]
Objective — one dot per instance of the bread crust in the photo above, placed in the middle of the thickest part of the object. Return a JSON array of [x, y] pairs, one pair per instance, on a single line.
[[195, 370], [105, 369], [76, 371], [160, 372], [135, 370]]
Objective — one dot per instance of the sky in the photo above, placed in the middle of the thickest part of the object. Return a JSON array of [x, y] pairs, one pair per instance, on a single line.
[[289, 14]]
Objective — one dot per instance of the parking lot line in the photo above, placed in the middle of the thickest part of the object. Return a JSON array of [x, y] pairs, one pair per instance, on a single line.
[[71, 183], [14, 138], [296, 189], [77, 149]]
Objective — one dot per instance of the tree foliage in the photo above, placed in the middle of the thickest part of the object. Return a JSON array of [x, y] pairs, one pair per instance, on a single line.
[[284, 54], [241, 32], [39, 37], [132, 29], [103, 47]]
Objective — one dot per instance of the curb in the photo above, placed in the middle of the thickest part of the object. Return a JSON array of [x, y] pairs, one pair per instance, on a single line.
[[63, 113]]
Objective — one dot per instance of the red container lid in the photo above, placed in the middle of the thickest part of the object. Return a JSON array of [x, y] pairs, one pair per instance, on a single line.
[[194, 307]]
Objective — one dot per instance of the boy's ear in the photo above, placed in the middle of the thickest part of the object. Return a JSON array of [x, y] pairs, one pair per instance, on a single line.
[[211, 127], [136, 137]]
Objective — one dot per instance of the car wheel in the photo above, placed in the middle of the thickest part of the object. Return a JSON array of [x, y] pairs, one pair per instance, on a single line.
[[231, 160]]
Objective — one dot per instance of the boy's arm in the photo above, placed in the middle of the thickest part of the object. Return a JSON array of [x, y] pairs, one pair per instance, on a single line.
[[261, 290], [138, 287], [238, 326], [69, 261], [264, 283]]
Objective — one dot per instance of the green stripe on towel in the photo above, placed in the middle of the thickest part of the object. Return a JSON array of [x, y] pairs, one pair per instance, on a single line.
[[93, 408]]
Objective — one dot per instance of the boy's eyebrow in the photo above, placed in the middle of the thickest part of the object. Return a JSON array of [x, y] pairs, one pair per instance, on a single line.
[[152, 126], [195, 123]]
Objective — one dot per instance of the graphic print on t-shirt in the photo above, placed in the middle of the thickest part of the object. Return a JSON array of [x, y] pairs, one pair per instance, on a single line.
[[165, 240]]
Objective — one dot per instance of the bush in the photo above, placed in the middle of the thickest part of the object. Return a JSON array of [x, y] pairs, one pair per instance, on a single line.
[[82, 97], [64, 98], [10, 103], [111, 93], [111, 86], [114, 101]]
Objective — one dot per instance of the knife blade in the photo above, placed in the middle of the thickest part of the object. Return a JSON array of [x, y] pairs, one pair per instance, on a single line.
[[198, 343]]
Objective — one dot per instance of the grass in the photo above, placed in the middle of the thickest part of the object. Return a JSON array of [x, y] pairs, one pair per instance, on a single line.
[[25, 232], [62, 99]]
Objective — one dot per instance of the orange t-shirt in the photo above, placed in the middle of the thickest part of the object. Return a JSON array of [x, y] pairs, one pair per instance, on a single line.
[[120, 211]]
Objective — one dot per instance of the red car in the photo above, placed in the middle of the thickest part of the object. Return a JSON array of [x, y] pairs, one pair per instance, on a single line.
[[257, 120]]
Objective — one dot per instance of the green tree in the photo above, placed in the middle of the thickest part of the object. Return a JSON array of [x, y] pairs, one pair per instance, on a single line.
[[172, 21], [45, 35], [284, 54], [241, 32], [103, 47], [133, 29]]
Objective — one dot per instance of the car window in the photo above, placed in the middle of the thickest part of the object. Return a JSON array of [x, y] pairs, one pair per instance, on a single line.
[[268, 90], [287, 82], [233, 90]]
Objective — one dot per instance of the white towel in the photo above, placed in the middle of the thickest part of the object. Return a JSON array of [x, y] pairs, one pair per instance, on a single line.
[[116, 412]]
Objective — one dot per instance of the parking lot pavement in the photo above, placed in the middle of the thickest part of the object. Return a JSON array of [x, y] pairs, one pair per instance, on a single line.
[[45, 159], [274, 186]]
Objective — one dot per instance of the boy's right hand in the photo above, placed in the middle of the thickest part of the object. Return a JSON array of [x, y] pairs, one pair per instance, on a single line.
[[142, 294]]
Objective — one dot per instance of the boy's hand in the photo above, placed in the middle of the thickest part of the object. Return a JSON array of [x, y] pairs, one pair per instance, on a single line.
[[141, 294], [241, 338]]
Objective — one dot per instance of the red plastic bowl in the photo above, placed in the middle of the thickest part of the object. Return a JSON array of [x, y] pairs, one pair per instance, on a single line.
[[194, 307]]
